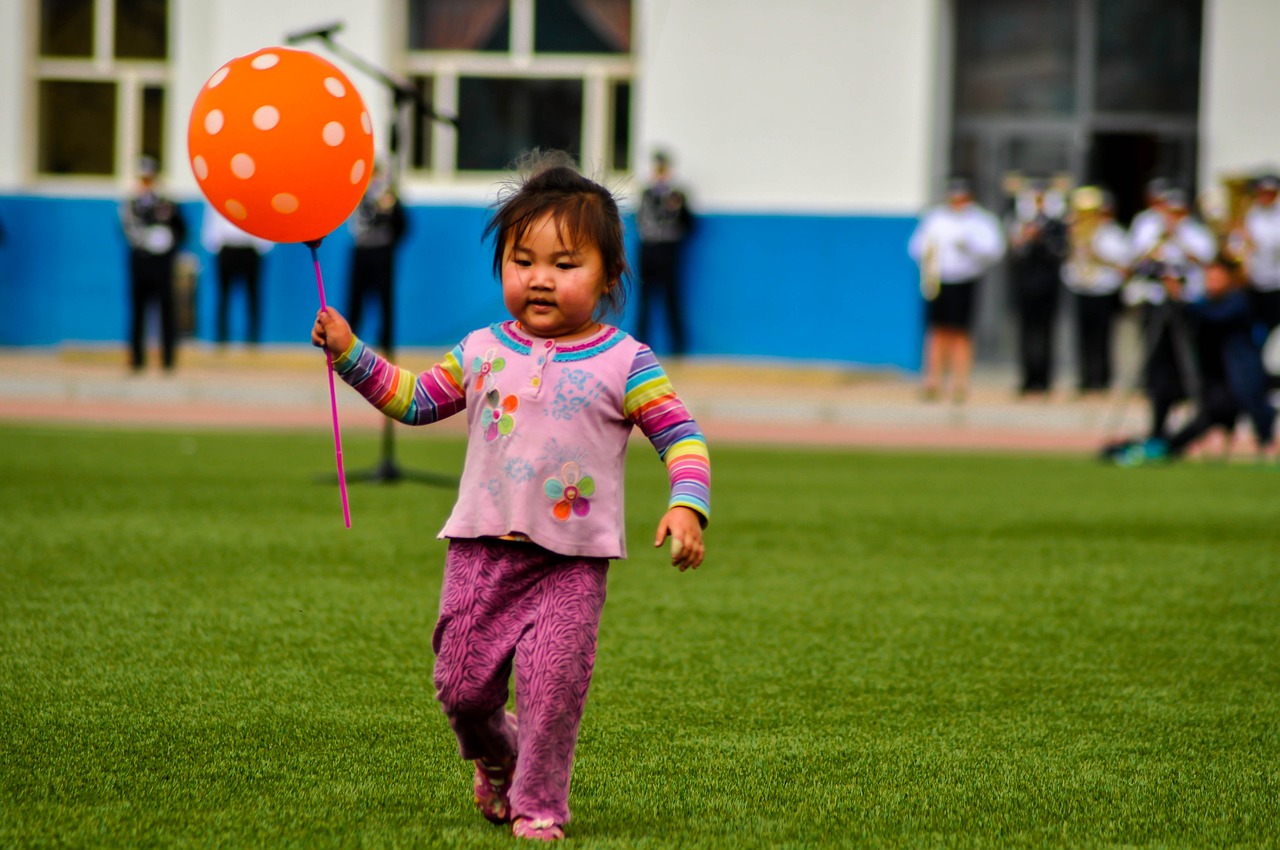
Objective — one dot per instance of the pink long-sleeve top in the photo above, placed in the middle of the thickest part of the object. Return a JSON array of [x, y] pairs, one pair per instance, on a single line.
[[547, 425]]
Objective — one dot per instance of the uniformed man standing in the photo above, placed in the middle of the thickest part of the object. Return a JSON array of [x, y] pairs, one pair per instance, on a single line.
[[239, 259], [1038, 246], [664, 221], [155, 229], [378, 226]]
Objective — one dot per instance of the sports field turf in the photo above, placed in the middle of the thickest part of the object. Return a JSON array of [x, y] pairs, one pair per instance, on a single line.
[[883, 650]]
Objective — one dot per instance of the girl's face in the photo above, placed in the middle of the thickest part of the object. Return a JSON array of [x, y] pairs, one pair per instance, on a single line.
[[552, 288]]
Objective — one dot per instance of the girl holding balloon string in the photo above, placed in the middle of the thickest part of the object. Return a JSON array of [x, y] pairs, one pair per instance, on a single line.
[[551, 396]]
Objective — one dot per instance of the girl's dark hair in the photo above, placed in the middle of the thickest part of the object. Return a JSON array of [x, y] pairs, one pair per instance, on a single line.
[[583, 210]]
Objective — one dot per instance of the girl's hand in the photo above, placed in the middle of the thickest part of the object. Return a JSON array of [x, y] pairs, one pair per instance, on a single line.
[[684, 525], [331, 331]]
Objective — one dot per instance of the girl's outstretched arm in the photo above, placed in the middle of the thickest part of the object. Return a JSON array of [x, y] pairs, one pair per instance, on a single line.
[[651, 402], [412, 399]]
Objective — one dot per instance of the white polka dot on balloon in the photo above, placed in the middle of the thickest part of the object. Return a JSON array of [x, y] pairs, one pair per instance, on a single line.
[[335, 87], [265, 61], [266, 117], [243, 166], [284, 203], [357, 171], [334, 134], [236, 210], [219, 77], [365, 123], [202, 168], [213, 122]]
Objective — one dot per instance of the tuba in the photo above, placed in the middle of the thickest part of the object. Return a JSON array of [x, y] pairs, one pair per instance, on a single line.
[[1086, 215], [1224, 207], [1087, 206]]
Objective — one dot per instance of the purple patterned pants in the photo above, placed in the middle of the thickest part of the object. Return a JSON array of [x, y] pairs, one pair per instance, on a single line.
[[507, 603]]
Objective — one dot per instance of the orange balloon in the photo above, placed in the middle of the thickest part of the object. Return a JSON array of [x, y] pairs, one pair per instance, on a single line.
[[281, 144]]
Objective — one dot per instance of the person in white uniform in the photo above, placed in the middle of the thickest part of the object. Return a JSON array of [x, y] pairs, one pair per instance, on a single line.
[[1262, 260], [1095, 269], [955, 244], [1176, 250]]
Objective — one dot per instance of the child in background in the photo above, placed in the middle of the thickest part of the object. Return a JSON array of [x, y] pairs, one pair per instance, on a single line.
[[1230, 372], [551, 396]]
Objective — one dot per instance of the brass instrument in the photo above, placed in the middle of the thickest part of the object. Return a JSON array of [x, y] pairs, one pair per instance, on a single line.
[[1225, 207], [1023, 192], [1088, 208], [930, 273]]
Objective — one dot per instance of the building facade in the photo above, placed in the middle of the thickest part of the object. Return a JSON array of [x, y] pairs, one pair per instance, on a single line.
[[810, 135]]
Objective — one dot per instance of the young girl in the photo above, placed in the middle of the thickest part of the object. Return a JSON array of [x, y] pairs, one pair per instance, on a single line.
[[551, 396]]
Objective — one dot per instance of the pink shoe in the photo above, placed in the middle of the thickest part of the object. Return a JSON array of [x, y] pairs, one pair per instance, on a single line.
[[540, 829], [493, 783]]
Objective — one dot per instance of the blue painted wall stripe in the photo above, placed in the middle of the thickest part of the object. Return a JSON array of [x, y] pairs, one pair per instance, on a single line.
[[803, 287]]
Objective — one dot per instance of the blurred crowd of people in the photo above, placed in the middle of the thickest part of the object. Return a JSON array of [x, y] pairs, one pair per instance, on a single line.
[[1204, 286], [155, 231]]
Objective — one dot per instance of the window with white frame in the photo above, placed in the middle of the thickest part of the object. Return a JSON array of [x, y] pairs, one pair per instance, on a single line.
[[518, 74], [101, 83]]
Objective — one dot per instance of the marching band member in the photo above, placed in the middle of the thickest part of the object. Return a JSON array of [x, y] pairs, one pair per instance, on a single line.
[[155, 229], [1094, 272], [378, 226], [1172, 251], [1262, 254], [1038, 244], [239, 259], [955, 244]]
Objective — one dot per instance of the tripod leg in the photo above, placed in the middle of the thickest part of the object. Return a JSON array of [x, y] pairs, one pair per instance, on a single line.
[[1153, 327], [1183, 354]]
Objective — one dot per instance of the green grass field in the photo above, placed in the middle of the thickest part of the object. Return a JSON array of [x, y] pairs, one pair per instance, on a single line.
[[883, 650]]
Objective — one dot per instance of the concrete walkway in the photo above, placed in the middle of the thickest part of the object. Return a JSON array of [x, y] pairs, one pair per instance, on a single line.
[[735, 401]]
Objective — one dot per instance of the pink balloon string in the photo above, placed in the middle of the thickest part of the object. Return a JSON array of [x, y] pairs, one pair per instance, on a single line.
[[333, 397]]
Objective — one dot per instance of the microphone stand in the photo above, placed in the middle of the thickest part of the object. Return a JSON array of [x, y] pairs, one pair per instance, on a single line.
[[404, 95]]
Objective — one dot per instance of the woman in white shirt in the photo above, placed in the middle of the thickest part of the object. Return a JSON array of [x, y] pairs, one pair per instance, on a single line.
[[955, 244]]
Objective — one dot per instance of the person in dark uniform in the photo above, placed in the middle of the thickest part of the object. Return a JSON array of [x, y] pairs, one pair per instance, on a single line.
[[155, 230], [378, 225], [239, 258], [664, 221], [1038, 246]]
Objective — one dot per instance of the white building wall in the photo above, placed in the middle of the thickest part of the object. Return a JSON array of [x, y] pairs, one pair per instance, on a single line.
[[813, 105], [1239, 117], [206, 34], [15, 34], [807, 106]]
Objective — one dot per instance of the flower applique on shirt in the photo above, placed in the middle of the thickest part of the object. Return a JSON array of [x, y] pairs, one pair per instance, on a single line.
[[571, 492], [497, 417], [485, 367]]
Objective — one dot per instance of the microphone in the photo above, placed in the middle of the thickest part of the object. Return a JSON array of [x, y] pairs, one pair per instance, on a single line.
[[324, 32]]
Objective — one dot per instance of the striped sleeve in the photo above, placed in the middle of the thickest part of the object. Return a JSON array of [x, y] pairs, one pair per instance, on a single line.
[[411, 399], [652, 404]]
